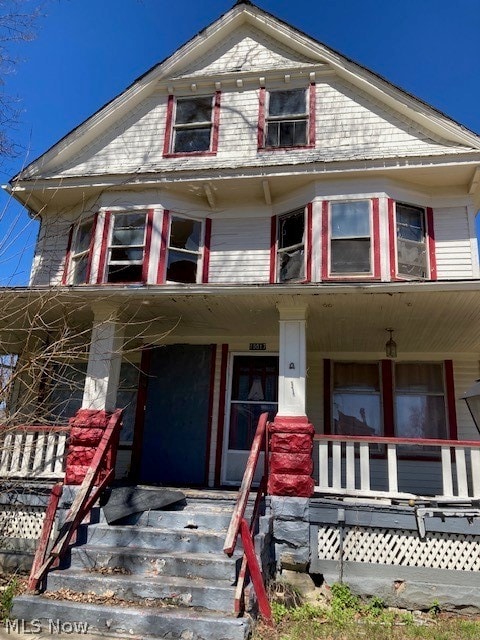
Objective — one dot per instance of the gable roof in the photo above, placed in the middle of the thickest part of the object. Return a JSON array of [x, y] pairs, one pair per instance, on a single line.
[[305, 49]]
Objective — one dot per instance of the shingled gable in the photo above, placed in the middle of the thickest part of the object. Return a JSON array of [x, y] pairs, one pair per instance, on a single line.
[[244, 17]]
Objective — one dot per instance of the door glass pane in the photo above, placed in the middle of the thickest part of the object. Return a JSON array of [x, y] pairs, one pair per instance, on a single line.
[[243, 423]]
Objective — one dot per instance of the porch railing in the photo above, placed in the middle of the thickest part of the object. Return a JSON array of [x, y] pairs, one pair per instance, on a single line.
[[33, 452], [88, 493], [401, 468], [239, 525]]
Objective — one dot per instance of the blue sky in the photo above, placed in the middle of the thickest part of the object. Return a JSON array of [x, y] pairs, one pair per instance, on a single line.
[[88, 51]]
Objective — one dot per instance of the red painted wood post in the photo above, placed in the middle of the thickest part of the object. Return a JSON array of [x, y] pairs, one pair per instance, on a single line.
[[255, 573], [47, 527]]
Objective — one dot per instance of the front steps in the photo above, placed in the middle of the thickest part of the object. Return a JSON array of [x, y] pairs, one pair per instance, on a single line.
[[167, 565]]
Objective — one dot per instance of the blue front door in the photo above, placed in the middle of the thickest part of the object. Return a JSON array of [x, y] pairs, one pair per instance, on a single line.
[[175, 436]]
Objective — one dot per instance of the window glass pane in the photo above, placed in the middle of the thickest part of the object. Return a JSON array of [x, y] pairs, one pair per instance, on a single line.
[[410, 223], [181, 267], [292, 265], [128, 229], [244, 421], [420, 416], [83, 237], [356, 376], [126, 254], [124, 273], [284, 103], [80, 270], [356, 414], [185, 234], [412, 258], [193, 110], [415, 377], [128, 220], [291, 229], [189, 140], [350, 219], [273, 134], [350, 256]]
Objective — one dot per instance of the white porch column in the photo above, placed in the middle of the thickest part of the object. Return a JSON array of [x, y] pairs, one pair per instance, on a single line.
[[103, 370], [292, 361]]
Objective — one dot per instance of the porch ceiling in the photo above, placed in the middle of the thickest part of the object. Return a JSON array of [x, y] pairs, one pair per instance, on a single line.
[[427, 318]]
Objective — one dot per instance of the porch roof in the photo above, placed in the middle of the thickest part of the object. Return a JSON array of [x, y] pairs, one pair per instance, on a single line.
[[428, 318]]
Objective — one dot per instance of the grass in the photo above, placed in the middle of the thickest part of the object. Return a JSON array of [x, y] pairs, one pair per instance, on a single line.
[[346, 617], [7, 593]]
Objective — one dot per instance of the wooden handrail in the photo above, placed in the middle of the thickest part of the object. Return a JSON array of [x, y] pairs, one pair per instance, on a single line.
[[83, 502], [423, 442], [239, 526]]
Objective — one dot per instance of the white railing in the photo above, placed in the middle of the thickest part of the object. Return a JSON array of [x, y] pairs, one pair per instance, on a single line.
[[397, 467], [33, 452]]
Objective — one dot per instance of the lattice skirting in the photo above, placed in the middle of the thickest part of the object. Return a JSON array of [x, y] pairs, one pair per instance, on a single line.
[[21, 521], [398, 547]]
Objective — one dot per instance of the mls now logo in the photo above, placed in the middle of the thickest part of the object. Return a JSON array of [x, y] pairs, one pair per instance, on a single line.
[[54, 627]]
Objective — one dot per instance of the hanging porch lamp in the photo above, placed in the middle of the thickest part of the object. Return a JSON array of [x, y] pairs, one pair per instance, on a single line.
[[472, 398], [390, 346]]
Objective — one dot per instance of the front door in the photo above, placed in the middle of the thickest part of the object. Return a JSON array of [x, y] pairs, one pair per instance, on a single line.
[[253, 390], [175, 435]]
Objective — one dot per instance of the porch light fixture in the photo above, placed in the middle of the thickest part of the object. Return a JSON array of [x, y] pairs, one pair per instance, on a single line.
[[472, 398], [390, 346]]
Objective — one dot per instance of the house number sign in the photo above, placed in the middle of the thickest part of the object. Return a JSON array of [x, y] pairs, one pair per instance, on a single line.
[[258, 346]]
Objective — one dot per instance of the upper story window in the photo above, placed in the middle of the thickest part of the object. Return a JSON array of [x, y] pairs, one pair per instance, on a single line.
[[184, 250], [192, 125], [291, 247], [411, 241], [287, 118], [126, 247], [80, 253], [350, 238]]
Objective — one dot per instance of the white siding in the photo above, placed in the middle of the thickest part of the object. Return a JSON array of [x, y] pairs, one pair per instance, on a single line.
[[50, 251], [465, 374], [240, 250], [453, 243]]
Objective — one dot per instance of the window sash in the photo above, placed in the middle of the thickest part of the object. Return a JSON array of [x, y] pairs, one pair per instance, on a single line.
[[412, 260], [200, 129], [117, 266], [342, 215], [289, 129], [185, 274], [291, 253], [80, 255]]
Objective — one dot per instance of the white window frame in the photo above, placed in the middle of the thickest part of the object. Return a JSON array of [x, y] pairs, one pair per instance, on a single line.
[[425, 244], [76, 257], [108, 249], [291, 117], [331, 240], [281, 250], [199, 253], [201, 124]]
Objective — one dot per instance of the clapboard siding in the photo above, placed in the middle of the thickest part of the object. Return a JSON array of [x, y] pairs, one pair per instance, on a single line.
[[240, 250], [465, 374], [453, 243]]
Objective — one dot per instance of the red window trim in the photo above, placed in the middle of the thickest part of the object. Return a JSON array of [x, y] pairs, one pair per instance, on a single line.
[[68, 256], [213, 362], [387, 395], [104, 249], [429, 242], [162, 262], [167, 141], [376, 247], [308, 233], [262, 119], [206, 249]]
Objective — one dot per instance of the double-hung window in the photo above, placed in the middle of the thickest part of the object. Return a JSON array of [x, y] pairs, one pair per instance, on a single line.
[[411, 241], [184, 250], [80, 254], [287, 119], [192, 130], [126, 249], [291, 247], [356, 399], [350, 238]]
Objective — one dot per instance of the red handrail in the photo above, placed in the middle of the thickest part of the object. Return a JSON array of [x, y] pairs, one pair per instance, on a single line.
[[82, 504], [239, 526]]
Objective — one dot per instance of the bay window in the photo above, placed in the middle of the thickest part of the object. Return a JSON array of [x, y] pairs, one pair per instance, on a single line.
[[80, 253], [350, 238], [411, 241], [184, 250]]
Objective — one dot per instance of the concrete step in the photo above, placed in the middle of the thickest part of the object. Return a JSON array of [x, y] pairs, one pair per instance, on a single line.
[[188, 540], [151, 562], [215, 595], [215, 519], [175, 623]]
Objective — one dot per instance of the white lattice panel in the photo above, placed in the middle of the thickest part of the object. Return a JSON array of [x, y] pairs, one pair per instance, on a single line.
[[456, 552], [21, 522]]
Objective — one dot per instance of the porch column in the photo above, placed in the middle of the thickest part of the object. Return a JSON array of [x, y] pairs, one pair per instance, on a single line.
[[291, 440], [99, 394]]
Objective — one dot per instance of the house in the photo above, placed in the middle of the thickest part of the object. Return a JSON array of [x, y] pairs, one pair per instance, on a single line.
[[245, 229]]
